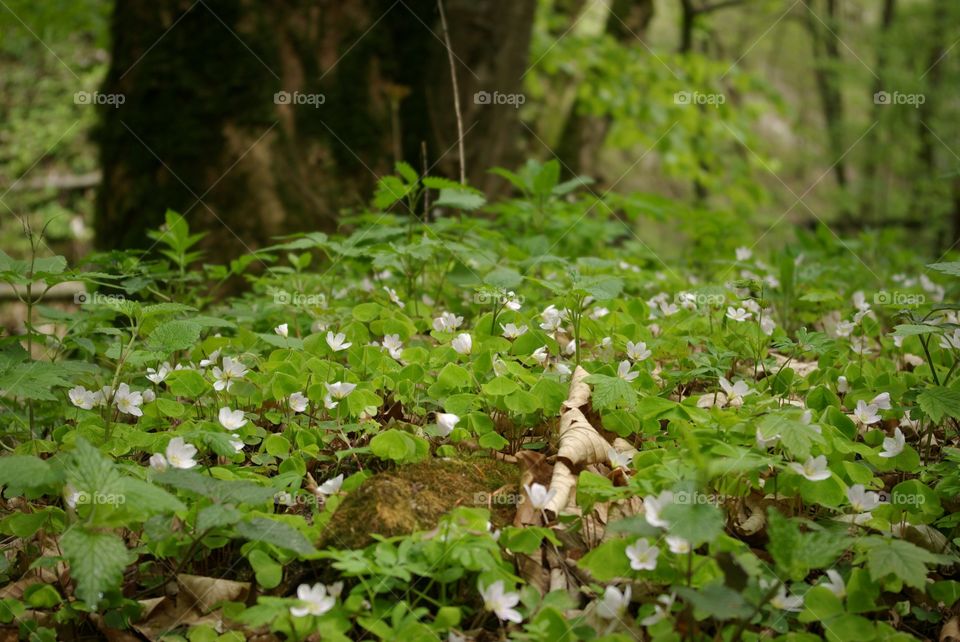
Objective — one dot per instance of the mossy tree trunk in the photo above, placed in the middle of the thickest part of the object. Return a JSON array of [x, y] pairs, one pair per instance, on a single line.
[[200, 132]]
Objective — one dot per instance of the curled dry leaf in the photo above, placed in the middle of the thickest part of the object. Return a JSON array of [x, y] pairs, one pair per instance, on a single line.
[[579, 444]]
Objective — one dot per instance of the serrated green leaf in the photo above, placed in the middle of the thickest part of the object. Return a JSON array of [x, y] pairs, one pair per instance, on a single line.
[[97, 561]]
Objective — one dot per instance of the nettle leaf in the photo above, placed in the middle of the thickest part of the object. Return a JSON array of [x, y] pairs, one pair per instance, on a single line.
[[601, 287], [236, 491], [717, 601], [145, 497], [940, 401], [504, 278], [97, 561], [796, 552], [952, 268], [27, 471], [890, 556], [277, 533], [33, 380], [90, 471], [174, 335], [460, 199], [696, 522], [913, 329], [611, 392], [217, 516]]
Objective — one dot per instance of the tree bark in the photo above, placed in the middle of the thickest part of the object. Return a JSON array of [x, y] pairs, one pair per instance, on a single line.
[[826, 51], [202, 131]]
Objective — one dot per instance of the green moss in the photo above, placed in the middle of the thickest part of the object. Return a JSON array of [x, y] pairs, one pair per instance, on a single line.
[[413, 498]]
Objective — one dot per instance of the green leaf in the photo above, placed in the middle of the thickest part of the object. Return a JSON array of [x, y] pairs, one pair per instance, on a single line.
[[397, 445], [217, 516], [952, 268], [694, 521], [939, 401], [611, 392], [460, 199], [186, 383], [889, 556], [174, 335], [27, 471], [716, 600], [797, 552], [97, 561], [269, 573], [500, 386], [144, 496], [505, 278], [277, 533], [235, 491]]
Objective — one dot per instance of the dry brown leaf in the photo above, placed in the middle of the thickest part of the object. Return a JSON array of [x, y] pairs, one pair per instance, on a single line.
[[951, 630], [579, 443], [208, 592]]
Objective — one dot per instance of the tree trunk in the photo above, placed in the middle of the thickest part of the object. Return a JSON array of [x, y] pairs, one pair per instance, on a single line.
[[202, 129], [826, 51]]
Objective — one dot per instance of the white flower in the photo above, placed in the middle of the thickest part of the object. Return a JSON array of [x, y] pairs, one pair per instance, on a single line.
[[231, 371], [447, 322], [539, 495], [210, 360], [814, 469], [767, 325], [463, 343], [642, 555], [866, 413], [283, 330], [552, 318], [860, 300], [660, 611], [512, 331], [624, 372], [735, 391], [744, 253], [835, 584], [678, 545], [619, 459], [599, 313], [446, 422], [882, 401], [331, 486], [614, 602], [149, 396], [668, 309], [128, 402], [337, 342], [232, 419], [314, 599], [157, 376], [570, 347], [842, 385], [893, 446], [500, 602], [82, 398], [158, 462], [72, 495], [512, 302], [180, 454], [297, 402], [637, 351], [393, 344], [339, 389], [766, 443], [393, 296], [541, 355], [738, 314], [951, 341], [237, 443], [844, 328], [786, 602], [652, 507]]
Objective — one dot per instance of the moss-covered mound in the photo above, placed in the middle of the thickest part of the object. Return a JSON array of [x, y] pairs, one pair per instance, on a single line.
[[414, 497]]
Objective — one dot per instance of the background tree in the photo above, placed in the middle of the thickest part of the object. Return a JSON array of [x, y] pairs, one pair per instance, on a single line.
[[200, 131]]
